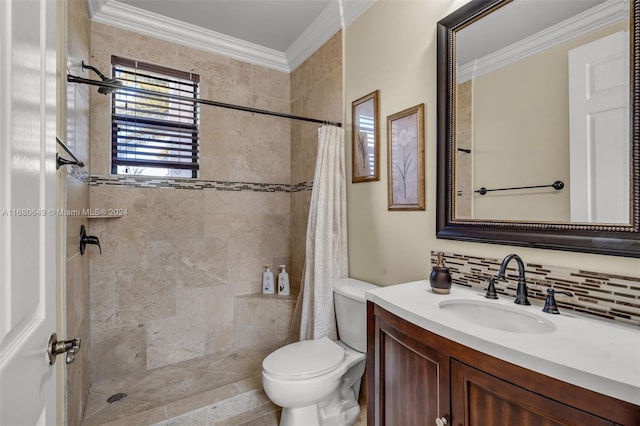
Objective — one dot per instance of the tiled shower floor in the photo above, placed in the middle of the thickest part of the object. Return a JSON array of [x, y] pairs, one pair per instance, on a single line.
[[228, 383], [157, 395]]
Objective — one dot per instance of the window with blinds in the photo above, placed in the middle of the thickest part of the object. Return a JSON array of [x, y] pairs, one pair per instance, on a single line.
[[154, 120]]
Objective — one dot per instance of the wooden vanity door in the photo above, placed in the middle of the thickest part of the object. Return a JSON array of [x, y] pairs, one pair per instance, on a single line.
[[479, 398], [409, 380]]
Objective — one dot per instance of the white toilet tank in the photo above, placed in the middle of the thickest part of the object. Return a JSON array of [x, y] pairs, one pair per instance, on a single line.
[[351, 312]]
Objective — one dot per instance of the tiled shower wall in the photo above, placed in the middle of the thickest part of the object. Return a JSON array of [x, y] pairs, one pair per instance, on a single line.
[[76, 124], [606, 296], [164, 288], [316, 91]]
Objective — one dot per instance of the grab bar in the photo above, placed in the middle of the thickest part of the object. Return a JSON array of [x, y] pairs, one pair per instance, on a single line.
[[557, 185], [61, 161]]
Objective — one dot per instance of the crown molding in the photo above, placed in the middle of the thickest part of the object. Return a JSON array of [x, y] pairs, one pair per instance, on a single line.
[[316, 34], [95, 6], [117, 14], [120, 15], [590, 20], [323, 28]]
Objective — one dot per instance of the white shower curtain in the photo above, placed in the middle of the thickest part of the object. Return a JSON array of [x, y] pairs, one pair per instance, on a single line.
[[326, 244]]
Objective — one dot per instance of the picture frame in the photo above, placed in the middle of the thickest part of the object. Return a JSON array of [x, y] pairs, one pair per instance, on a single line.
[[405, 161], [365, 140]]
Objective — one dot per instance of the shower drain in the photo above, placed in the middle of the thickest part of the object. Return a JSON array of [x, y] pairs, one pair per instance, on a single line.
[[116, 397]]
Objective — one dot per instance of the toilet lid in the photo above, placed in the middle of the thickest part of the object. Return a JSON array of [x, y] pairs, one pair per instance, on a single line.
[[305, 359]]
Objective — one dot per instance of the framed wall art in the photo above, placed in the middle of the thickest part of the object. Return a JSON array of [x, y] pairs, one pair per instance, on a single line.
[[365, 150], [405, 141]]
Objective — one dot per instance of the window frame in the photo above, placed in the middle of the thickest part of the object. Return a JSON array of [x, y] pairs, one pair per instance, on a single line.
[[187, 131]]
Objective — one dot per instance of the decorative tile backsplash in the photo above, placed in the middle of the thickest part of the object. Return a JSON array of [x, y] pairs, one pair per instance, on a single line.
[[198, 184], [608, 296]]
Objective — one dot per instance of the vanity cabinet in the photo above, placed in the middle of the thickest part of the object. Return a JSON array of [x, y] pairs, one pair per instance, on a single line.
[[478, 398], [411, 379], [415, 377]]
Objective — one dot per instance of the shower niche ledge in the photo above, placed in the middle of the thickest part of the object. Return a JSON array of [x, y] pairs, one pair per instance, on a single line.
[[261, 321]]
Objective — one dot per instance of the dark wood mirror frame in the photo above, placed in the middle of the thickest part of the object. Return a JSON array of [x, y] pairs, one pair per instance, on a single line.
[[619, 240]]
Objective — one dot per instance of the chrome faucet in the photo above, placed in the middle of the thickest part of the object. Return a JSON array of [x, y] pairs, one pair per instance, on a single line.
[[521, 290]]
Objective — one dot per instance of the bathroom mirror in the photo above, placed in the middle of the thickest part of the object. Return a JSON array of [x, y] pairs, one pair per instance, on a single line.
[[538, 124]]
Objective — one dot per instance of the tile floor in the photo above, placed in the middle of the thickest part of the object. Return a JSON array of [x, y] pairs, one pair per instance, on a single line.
[[223, 389]]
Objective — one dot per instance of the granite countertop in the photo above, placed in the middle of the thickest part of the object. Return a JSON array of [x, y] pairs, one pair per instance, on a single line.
[[594, 354]]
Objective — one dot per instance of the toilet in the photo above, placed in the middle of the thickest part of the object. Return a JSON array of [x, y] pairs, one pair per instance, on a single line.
[[317, 382]]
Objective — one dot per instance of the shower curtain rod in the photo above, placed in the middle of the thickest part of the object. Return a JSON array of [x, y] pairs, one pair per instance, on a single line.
[[76, 79]]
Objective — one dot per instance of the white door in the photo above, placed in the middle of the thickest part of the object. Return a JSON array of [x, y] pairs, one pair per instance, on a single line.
[[599, 130], [27, 221]]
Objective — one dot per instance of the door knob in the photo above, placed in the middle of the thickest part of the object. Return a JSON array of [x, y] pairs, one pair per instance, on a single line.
[[55, 348]]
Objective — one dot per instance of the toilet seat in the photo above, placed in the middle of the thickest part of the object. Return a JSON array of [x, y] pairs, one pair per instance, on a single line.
[[303, 360]]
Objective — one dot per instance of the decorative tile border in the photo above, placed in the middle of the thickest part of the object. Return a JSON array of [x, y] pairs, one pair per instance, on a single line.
[[608, 296], [195, 184], [302, 186]]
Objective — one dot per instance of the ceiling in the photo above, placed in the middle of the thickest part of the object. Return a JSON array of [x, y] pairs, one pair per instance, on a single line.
[[278, 34], [272, 24], [495, 40], [519, 20]]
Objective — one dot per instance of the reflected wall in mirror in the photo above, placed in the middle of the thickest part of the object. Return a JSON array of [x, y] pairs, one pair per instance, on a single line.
[[547, 101], [537, 104]]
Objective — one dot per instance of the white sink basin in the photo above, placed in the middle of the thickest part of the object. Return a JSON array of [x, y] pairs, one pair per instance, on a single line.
[[498, 317]]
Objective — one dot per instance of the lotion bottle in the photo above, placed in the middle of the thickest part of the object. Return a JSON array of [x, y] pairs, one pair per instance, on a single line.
[[267, 281], [283, 282]]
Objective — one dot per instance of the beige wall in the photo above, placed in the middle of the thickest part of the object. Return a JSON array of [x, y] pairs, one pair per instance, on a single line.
[[508, 151], [392, 47]]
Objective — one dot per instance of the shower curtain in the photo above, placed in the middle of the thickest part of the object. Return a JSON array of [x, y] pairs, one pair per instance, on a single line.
[[326, 243]]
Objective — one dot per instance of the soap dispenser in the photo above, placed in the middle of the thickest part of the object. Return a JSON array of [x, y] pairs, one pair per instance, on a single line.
[[283, 282], [440, 278], [267, 281]]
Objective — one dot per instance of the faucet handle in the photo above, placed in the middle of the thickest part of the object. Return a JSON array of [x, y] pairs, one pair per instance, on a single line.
[[87, 239], [491, 290], [550, 305]]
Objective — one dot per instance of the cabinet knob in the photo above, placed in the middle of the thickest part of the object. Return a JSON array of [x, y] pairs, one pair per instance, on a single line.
[[441, 421]]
